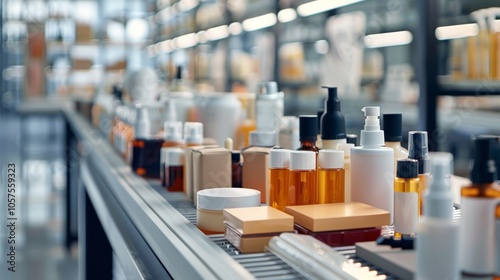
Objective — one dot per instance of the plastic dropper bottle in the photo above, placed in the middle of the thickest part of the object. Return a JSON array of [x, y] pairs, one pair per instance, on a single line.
[[393, 136], [479, 203], [406, 208], [308, 133], [347, 169], [372, 166], [419, 149], [437, 229], [332, 122], [331, 176], [279, 162]]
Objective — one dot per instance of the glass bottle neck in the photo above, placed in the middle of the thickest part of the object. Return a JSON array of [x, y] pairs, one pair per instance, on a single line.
[[308, 144]]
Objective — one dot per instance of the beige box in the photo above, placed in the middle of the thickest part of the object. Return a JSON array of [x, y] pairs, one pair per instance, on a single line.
[[211, 169], [188, 169], [248, 244], [256, 171], [338, 216], [258, 220]]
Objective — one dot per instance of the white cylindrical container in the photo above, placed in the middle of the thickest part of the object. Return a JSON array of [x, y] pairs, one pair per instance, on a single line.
[[269, 107], [437, 229], [219, 114], [211, 202], [372, 166]]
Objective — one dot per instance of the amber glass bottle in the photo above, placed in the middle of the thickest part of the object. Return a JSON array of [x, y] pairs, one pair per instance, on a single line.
[[331, 176], [303, 189], [279, 162], [308, 133]]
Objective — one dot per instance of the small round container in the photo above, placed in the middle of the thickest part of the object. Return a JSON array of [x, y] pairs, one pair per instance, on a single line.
[[211, 202]]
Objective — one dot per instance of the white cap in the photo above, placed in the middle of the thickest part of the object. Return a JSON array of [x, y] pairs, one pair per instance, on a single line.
[[223, 198], [263, 138], [331, 159], [438, 196], [193, 133], [372, 136], [279, 158], [302, 160], [172, 131], [142, 125], [228, 143], [346, 147], [174, 157]]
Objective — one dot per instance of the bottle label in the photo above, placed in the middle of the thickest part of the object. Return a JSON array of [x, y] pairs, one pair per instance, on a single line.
[[477, 235], [405, 212]]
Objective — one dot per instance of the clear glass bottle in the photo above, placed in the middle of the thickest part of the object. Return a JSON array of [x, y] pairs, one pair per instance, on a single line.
[[331, 176], [279, 162], [303, 189], [406, 198]]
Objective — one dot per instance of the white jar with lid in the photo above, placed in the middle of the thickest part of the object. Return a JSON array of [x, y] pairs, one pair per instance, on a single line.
[[211, 202]]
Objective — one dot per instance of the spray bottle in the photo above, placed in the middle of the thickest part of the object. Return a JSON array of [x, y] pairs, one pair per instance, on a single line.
[[372, 166]]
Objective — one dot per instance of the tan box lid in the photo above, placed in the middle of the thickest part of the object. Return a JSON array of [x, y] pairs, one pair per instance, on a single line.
[[338, 216], [256, 220]]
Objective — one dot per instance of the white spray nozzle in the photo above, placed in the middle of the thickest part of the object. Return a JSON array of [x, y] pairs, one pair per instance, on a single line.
[[371, 118], [172, 131], [438, 197], [142, 125], [193, 132]]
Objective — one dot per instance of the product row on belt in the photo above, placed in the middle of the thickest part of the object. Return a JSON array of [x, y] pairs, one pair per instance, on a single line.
[[336, 191]]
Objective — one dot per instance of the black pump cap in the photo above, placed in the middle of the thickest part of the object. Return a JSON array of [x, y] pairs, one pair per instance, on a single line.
[[319, 114], [178, 75], [393, 127], [483, 167], [352, 139], [418, 148], [407, 168], [332, 121], [308, 128]]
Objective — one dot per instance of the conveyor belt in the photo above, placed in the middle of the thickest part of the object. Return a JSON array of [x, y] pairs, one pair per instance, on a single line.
[[262, 265]]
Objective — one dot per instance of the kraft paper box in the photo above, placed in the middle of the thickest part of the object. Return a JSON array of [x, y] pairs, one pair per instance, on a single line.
[[211, 169], [188, 169], [255, 171]]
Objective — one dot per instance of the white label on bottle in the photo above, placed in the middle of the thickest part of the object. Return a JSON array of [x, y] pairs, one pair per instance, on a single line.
[[405, 212], [477, 235]]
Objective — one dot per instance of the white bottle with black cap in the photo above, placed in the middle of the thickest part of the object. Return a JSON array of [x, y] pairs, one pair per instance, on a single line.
[[372, 166], [437, 245]]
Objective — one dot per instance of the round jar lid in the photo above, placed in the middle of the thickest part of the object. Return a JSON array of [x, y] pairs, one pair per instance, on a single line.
[[221, 198]]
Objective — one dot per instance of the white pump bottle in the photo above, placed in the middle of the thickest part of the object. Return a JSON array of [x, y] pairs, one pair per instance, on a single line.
[[372, 166]]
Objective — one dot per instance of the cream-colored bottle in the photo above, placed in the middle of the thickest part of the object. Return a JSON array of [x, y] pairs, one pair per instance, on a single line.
[[393, 135], [346, 147]]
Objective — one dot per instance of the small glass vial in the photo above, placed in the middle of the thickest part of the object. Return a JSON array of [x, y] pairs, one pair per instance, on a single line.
[[308, 133], [406, 198], [279, 162], [331, 176], [145, 151], [193, 134], [174, 168], [172, 135], [303, 189]]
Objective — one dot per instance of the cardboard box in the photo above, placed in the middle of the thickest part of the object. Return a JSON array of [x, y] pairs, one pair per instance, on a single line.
[[211, 169], [188, 169], [256, 171], [338, 216], [258, 220], [250, 229]]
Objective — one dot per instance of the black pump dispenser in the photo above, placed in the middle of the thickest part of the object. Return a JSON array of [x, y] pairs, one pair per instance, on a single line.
[[332, 121], [407, 168], [483, 167]]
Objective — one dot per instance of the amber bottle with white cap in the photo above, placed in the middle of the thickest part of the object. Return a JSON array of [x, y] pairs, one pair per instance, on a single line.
[[331, 174], [174, 169], [303, 188], [279, 163]]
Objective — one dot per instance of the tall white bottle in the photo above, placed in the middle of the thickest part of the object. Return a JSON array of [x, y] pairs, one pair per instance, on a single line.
[[372, 166], [437, 229]]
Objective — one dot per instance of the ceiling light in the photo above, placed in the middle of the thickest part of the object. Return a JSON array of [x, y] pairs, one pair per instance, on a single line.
[[319, 6], [388, 39], [457, 31], [259, 22], [287, 15]]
